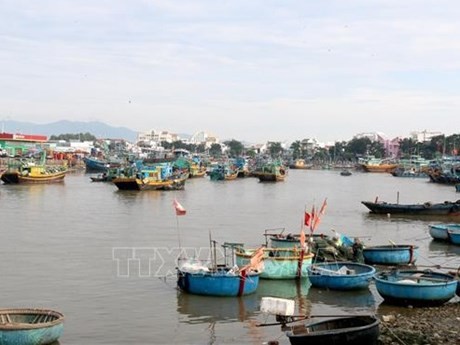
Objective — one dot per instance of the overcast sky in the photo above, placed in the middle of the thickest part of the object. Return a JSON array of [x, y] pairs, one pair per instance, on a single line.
[[249, 70]]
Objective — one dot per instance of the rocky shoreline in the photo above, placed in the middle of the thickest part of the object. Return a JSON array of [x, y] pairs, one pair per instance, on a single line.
[[436, 325]]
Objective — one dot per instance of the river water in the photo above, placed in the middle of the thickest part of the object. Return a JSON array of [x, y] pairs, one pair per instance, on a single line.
[[106, 258]]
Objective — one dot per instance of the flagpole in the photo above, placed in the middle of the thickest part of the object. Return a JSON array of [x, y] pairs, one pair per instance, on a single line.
[[178, 236]]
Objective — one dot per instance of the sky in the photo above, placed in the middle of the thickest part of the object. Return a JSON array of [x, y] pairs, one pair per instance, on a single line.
[[252, 70]]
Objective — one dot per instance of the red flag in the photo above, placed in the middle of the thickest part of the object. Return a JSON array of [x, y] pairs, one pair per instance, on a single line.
[[307, 219], [318, 216], [180, 210]]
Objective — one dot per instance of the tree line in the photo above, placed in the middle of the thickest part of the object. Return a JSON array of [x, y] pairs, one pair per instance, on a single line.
[[340, 151]]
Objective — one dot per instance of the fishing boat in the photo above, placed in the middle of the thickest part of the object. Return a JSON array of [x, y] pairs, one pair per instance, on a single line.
[[42, 174], [111, 174], [345, 173], [231, 175], [157, 177], [446, 208], [353, 330], [30, 326], [213, 279], [271, 172], [33, 173], [380, 167], [196, 170], [278, 263], [337, 247], [94, 164], [439, 231], [412, 173], [340, 275], [219, 281], [217, 172], [454, 236], [134, 183], [394, 254], [415, 287], [300, 164]]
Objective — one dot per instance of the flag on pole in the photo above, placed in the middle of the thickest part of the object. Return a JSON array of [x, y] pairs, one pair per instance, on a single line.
[[318, 216], [180, 210], [307, 219]]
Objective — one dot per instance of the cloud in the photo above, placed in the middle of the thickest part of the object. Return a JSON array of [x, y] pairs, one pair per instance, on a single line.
[[327, 69]]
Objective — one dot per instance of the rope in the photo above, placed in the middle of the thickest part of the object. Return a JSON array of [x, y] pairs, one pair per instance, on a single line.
[[394, 334]]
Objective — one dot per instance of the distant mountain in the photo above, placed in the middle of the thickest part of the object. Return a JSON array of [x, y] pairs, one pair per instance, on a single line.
[[98, 129]]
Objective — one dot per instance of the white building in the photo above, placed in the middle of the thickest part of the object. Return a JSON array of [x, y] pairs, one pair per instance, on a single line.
[[156, 137], [423, 136], [204, 138]]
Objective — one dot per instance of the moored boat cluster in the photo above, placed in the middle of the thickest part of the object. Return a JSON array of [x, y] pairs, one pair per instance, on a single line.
[[326, 262]]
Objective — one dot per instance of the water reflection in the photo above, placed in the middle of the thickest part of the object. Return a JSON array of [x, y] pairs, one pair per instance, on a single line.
[[443, 248], [409, 218], [333, 302], [289, 289], [197, 309]]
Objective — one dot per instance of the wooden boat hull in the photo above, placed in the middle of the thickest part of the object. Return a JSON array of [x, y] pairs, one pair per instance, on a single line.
[[278, 263], [30, 326], [379, 168], [390, 254], [417, 288], [44, 179], [132, 183], [269, 177], [354, 330], [426, 209], [327, 275], [229, 177], [196, 174], [217, 283]]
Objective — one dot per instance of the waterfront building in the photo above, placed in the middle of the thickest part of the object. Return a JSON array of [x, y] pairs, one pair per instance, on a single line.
[[19, 144]]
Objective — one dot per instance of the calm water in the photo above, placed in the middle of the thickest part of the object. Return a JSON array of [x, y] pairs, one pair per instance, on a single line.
[[105, 258]]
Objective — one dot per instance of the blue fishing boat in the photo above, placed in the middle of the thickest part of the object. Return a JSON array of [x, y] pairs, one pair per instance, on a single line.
[[278, 263], [353, 330], [394, 254], [439, 231], [30, 326], [220, 282], [340, 275], [417, 288], [454, 236], [94, 164]]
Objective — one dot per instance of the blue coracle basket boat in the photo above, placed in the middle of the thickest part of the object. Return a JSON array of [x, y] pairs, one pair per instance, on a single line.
[[415, 287], [397, 254], [341, 275], [30, 326]]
